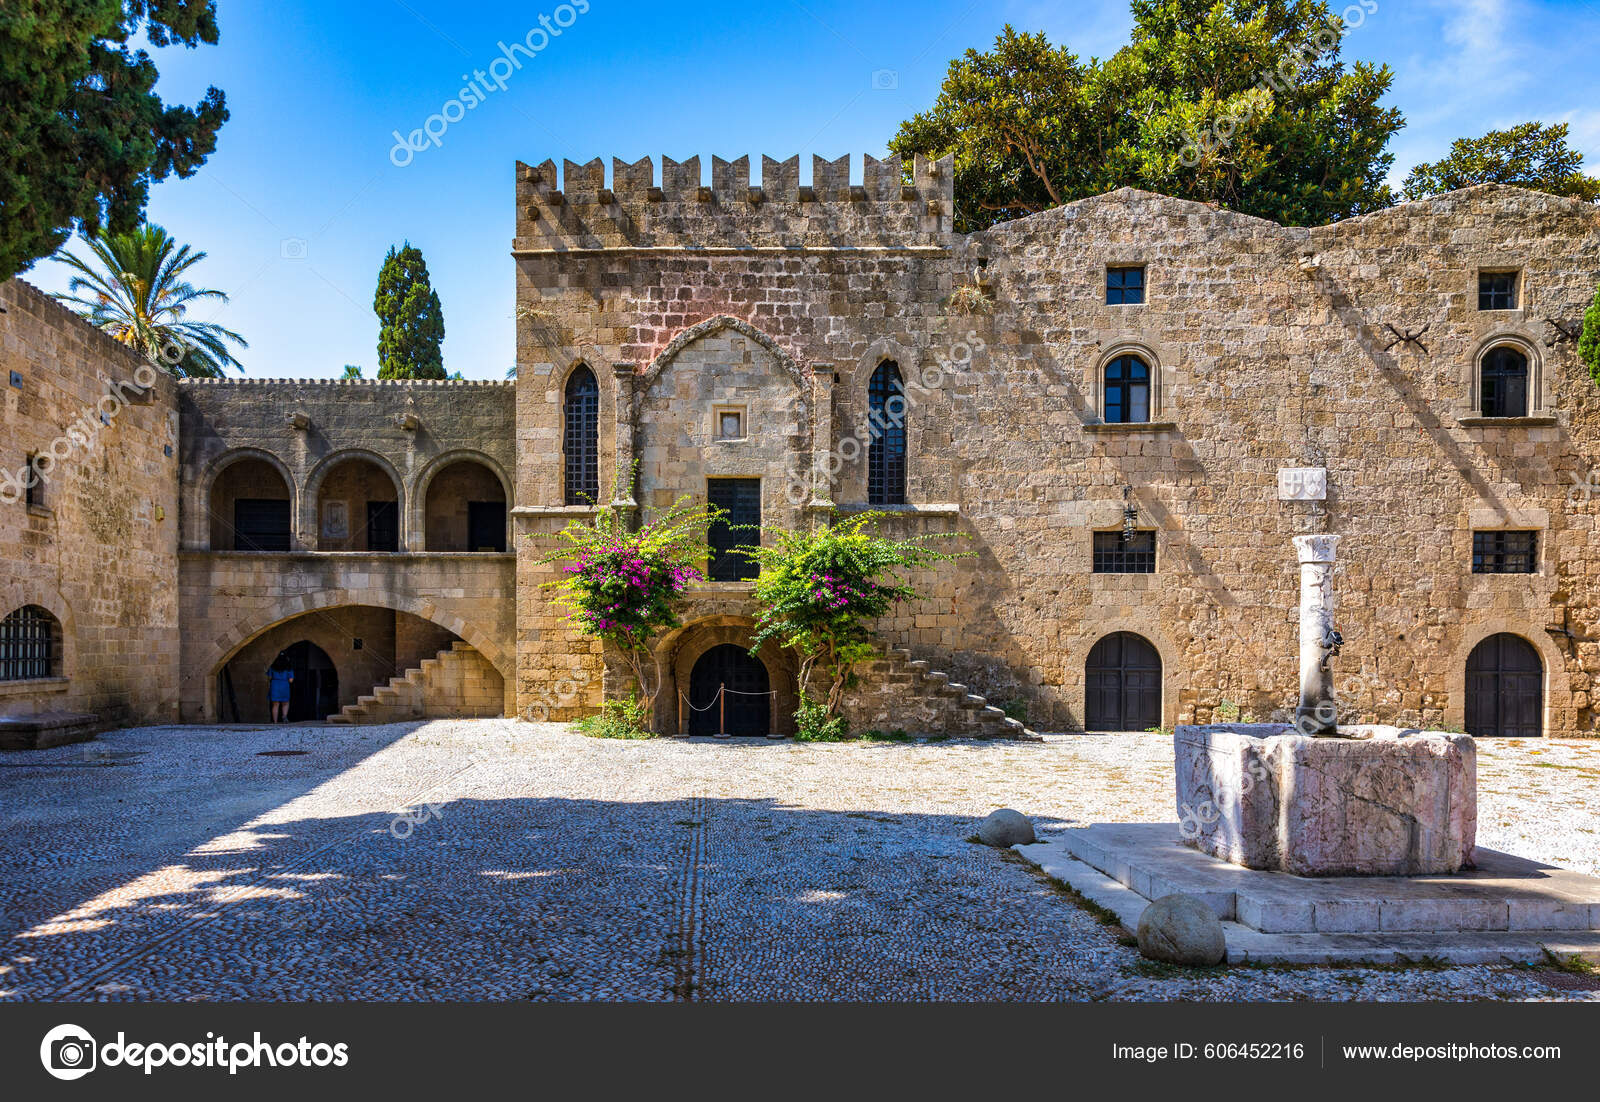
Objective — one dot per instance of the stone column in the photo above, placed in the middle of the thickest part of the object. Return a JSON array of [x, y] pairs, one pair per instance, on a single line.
[[625, 374], [822, 380], [1317, 714]]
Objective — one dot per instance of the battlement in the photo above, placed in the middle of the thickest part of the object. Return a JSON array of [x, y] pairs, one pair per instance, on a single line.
[[578, 212]]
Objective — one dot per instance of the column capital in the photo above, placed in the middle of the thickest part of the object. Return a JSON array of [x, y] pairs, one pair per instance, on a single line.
[[1319, 548]]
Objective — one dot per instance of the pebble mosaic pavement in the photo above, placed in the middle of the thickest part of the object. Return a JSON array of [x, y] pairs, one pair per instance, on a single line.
[[491, 859]]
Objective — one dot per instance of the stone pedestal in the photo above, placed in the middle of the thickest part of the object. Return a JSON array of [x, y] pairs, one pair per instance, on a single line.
[[1378, 801]]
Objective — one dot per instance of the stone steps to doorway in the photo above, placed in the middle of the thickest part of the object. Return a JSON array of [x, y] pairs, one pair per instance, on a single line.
[[455, 682], [901, 691]]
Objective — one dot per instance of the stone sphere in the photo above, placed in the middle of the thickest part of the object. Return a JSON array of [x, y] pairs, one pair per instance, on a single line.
[[1180, 929], [1006, 828]]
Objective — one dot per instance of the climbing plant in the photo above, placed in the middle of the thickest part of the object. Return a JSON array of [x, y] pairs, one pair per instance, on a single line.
[[625, 587], [820, 590], [1589, 339]]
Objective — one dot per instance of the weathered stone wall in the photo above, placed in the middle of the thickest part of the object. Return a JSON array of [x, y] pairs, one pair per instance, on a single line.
[[100, 549], [1271, 346]]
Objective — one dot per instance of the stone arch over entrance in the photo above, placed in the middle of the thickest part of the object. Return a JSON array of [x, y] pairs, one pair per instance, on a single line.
[[679, 651], [311, 495], [1172, 666], [1556, 692], [204, 507], [1123, 684], [223, 648], [416, 532]]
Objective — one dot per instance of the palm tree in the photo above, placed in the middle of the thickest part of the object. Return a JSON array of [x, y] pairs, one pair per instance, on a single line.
[[136, 292]]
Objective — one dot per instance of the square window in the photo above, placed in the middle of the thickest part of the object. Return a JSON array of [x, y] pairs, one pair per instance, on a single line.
[[1114, 554], [1124, 286], [730, 424], [1501, 552], [1497, 290]]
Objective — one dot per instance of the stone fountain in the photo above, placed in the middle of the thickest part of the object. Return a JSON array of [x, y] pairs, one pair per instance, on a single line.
[[1317, 799]]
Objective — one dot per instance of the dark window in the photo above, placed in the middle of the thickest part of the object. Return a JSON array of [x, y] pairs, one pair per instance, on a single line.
[[1505, 552], [260, 524], [741, 499], [1114, 555], [1124, 286], [1497, 290], [486, 526], [886, 454], [581, 438], [1127, 391], [27, 644], [1505, 383], [35, 488], [383, 526]]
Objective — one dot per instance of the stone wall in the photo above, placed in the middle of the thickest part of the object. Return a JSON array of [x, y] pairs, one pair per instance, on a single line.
[[1271, 347], [99, 548]]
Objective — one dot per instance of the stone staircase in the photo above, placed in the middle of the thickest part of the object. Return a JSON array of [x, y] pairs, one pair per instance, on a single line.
[[455, 682], [900, 691]]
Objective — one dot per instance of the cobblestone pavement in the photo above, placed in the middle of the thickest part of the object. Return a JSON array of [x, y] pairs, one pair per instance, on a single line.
[[534, 863]]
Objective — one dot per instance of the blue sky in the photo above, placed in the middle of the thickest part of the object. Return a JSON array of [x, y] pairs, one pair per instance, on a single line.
[[302, 199]]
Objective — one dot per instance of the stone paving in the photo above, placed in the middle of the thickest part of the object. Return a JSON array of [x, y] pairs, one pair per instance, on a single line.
[[490, 859]]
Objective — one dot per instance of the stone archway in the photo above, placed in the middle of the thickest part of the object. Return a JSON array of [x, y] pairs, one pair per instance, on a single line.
[[228, 644], [680, 650]]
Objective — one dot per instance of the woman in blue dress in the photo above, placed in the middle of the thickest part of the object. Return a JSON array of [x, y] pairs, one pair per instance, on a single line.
[[279, 677]]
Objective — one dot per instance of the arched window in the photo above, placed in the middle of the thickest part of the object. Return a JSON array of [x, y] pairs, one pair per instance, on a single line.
[[581, 438], [28, 644], [1127, 391], [886, 455], [1505, 383]]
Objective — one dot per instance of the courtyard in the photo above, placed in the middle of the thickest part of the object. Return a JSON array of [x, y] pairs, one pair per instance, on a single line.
[[503, 860]]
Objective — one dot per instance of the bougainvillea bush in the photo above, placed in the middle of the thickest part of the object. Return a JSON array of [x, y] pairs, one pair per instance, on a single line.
[[625, 587], [819, 592]]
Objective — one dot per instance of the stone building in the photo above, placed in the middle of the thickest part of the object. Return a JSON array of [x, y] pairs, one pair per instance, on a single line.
[[1096, 399]]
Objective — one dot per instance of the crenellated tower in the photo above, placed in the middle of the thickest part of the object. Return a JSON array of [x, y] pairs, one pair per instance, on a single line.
[[577, 211]]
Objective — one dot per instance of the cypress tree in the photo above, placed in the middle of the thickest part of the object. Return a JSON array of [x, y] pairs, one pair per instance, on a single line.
[[410, 318]]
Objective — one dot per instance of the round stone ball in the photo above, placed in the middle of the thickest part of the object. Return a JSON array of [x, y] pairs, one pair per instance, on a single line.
[[1006, 828], [1180, 929]]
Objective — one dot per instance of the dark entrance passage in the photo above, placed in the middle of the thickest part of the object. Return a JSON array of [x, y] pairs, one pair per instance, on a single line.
[[746, 704], [1505, 689], [315, 691], [1122, 690]]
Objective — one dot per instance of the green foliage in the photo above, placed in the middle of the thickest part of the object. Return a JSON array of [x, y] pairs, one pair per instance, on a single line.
[[411, 321], [1528, 155], [351, 371], [1589, 339], [819, 590], [815, 723], [132, 287], [1241, 102], [85, 133], [626, 718], [1016, 708], [625, 587]]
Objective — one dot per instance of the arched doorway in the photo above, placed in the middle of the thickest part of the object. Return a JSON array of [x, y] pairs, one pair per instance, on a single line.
[[357, 508], [1122, 684], [315, 691], [249, 508], [1505, 689], [465, 509], [746, 708]]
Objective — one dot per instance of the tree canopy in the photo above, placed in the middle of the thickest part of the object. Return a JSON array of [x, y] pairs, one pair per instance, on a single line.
[[85, 133], [1246, 103], [410, 318], [133, 287], [1529, 155]]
